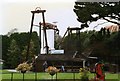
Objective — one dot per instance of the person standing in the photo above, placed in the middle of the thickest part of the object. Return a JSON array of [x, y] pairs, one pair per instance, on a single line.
[[45, 65], [62, 68], [99, 70]]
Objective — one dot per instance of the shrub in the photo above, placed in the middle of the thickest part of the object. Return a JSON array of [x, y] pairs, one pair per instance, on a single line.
[[84, 74], [24, 67], [52, 70]]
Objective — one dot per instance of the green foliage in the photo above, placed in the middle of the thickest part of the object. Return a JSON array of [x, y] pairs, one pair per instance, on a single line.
[[86, 39], [113, 42], [21, 42], [84, 74], [86, 10], [102, 44], [32, 51], [5, 45], [13, 55], [73, 41], [23, 38]]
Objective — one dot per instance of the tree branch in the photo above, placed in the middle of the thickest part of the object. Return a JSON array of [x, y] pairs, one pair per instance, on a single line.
[[111, 21]]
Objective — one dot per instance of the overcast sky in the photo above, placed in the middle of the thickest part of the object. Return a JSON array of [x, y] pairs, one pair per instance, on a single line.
[[17, 14]]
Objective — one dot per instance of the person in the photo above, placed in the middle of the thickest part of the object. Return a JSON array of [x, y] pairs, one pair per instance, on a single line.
[[62, 68], [99, 70], [45, 65]]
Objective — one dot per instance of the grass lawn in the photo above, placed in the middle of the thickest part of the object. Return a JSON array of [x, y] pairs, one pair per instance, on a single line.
[[6, 76]]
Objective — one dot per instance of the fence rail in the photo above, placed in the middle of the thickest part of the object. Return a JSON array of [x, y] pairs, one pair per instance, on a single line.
[[37, 76]]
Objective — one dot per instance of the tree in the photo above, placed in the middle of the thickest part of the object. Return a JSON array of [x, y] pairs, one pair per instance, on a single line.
[[105, 44], [72, 43], [88, 12], [32, 52], [13, 55], [5, 45], [21, 40]]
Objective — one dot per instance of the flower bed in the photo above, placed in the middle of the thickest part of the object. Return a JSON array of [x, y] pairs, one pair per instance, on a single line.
[[24, 67], [52, 70]]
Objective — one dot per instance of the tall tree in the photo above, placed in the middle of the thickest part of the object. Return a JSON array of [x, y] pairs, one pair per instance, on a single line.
[[21, 40], [5, 45], [88, 12], [13, 55], [32, 52]]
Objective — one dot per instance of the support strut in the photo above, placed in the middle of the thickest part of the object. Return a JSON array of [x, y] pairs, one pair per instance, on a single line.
[[37, 11]]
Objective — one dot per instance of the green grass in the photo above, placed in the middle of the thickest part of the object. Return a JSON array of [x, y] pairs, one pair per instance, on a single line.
[[112, 76], [4, 71], [42, 76]]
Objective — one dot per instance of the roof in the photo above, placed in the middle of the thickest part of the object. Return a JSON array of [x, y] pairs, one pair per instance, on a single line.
[[67, 56], [57, 57]]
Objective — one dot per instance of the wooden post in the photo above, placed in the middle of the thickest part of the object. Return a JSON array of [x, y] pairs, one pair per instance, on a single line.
[[12, 76], [56, 76], [74, 76], [23, 76], [35, 76], [84, 63]]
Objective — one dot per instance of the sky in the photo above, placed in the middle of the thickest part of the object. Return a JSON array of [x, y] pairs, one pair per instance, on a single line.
[[17, 14]]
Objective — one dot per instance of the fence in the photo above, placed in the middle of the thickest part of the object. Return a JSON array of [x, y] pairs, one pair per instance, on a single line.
[[41, 77], [36, 76]]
